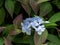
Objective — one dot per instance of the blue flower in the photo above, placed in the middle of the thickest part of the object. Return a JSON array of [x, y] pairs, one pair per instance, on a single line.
[[36, 23]]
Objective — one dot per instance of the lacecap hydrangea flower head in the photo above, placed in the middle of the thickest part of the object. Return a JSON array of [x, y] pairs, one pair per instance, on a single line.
[[36, 23]]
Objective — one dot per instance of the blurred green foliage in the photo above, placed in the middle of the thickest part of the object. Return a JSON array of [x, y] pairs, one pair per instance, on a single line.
[[10, 21]]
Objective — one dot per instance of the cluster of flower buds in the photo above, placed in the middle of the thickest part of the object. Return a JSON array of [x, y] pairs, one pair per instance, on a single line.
[[36, 23]]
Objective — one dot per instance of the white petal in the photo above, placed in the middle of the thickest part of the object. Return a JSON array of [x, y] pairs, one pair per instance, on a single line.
[[40, 21], [39, 33], [29, 26], [23, 29], [42, 26], [35, 23], [38, 28], [21, 24], [34, 27], [43, 29], [28, 32], [29, 29]]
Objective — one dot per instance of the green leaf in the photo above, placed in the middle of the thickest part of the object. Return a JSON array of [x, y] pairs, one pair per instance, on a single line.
[[45, 8], [1, 2], [39, 40], [51, 43], [2, 15], [17, 21], [50, 24], [17, 8], [26, 6], [7, 41], [55, 17], [1, 41], [9, 5], [54, 39], [8, 29], [34, 6], [15, 32], [41, 1], [23, 39], [45, 44], [57, 3]]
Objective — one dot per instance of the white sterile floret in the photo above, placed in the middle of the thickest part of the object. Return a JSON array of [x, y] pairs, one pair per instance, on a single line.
[[38, 19], [25, 27], [39, 33], [36, 23]]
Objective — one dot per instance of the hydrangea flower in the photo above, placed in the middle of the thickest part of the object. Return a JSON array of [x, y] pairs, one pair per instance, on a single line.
[[36, 23]]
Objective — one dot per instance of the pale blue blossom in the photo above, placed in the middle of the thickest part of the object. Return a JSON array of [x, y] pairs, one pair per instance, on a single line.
[[36, 23]]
